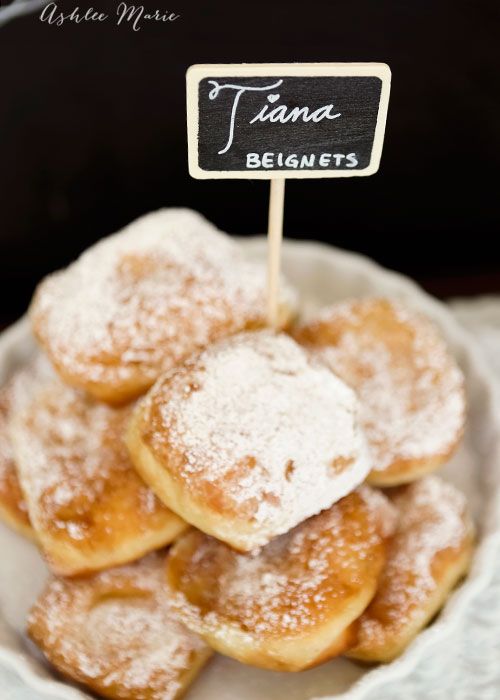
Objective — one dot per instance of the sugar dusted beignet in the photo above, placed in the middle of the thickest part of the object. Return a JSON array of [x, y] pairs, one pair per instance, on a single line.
[[14, 396], [409, 386], [290, 605], [249, 438], [87, 504], [116, 632], [13, 510], [140, 301], [430, 552]]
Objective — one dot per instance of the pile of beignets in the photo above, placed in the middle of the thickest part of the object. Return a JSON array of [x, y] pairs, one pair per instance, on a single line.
[[198, 482]]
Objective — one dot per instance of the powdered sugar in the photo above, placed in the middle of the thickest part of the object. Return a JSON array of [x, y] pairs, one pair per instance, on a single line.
[[13, 398], [410, 390], [432, 519], [277, 437], [11, 498], [117, 629], [72, 461], [292, 584], [145, 297], [7, 466]]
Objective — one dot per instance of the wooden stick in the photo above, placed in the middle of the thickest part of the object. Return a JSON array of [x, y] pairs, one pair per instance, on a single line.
[[275, 236]]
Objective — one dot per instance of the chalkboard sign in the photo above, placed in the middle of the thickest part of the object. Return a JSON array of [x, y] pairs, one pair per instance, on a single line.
[[286, 120]]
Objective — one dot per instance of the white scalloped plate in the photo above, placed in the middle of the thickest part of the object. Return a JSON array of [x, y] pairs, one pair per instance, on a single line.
[[322, 275]]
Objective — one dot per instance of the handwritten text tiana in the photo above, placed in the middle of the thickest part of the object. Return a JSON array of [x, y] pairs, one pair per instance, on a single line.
[[270, 112]]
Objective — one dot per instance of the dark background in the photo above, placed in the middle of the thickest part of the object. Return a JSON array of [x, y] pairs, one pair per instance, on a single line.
[[92, 133]]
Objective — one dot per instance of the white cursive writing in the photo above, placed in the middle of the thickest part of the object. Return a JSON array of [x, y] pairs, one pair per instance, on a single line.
[[280, 113], [51, 15], [132, 15], [135, 13], [240, 90]]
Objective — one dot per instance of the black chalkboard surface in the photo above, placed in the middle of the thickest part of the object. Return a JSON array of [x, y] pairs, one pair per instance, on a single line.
[[294, 120]]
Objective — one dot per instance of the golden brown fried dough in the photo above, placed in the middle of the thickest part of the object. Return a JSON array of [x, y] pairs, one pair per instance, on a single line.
[[142, 300], [14, 396], [249, 438], [290, 605], [88, 506], [431, 551], [116, 632], [410, 388], [13, 509]]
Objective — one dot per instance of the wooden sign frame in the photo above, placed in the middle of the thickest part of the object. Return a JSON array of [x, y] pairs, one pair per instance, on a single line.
[[199, 72]]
